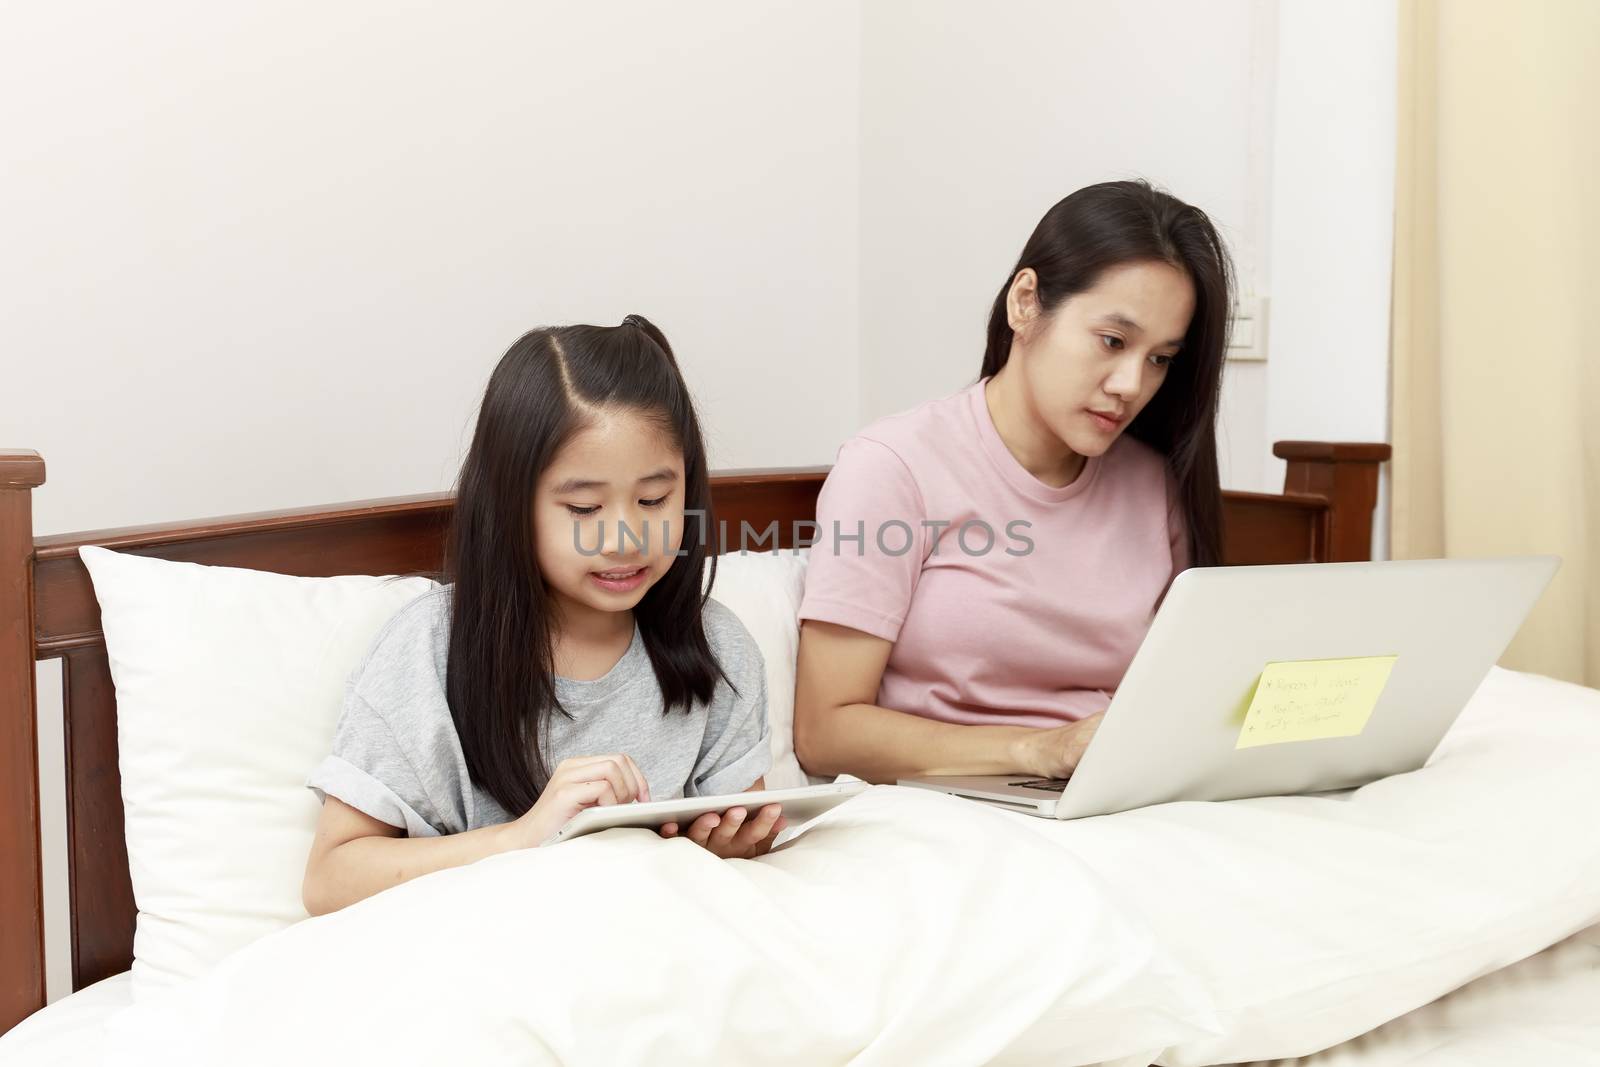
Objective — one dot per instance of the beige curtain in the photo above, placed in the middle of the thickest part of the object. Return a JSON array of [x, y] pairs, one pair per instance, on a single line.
[[1496, 331]]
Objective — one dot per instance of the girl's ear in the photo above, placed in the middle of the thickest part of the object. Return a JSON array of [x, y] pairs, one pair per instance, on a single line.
[[1022, 300]]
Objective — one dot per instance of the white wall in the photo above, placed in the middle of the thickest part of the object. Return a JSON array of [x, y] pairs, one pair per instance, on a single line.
[[270, 252], [1332, 238]]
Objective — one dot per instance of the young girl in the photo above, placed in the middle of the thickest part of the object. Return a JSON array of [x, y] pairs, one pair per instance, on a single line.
[[573, 659], [1013, 540]]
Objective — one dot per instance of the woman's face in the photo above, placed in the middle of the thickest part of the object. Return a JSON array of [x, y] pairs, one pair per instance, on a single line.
[[608, 513], [1102, 352]]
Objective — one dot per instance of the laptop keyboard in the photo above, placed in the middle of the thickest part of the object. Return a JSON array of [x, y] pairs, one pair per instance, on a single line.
[[1052, 785]]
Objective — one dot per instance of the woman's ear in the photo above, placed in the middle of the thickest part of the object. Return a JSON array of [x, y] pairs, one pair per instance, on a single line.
[[1022, 301]]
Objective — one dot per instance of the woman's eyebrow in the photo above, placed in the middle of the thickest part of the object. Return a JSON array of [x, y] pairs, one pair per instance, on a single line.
[[578, 485], [1116, 318]]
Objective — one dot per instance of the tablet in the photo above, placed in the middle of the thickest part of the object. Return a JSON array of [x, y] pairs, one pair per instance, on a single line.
[[799, 806]]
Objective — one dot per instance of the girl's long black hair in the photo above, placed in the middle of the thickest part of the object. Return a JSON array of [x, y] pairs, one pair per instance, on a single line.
[[1103, 226], [501, 663]]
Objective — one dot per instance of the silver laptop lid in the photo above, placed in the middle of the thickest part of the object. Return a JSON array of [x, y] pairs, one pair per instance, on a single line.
[[1173, 727]]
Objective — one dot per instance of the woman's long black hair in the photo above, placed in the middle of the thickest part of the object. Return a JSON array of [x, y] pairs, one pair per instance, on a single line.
[[501, 663], [1103, 226]]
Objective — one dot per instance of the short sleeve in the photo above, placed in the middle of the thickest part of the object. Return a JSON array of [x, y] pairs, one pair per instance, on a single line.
[[872, 540], [738, 742], [370, 771]]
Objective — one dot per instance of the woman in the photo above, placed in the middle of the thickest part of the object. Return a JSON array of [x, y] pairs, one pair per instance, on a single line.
[[989, 562]]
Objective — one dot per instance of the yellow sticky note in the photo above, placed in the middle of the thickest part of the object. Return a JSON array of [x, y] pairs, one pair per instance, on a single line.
[[1307, 700]]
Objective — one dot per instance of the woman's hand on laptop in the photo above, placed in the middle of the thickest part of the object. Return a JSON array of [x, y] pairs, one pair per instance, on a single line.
[[1054, 752]]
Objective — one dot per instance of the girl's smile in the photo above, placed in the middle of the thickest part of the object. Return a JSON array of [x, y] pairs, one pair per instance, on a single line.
[[621, 579]]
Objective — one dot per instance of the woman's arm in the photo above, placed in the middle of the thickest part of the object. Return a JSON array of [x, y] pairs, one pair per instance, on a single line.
[[838, 730]]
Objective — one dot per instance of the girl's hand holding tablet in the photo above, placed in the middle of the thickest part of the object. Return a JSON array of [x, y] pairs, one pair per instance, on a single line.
[[735, 834], [578, 783], [583, 782]]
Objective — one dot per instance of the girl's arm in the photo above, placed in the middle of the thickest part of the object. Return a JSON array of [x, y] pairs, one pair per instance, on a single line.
[[839, 730], [354, 855]]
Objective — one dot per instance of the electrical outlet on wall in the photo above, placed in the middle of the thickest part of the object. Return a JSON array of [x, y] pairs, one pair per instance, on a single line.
[[1247, 339]]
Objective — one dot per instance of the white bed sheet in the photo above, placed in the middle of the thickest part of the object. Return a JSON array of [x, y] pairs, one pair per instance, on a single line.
[[1500, 854], [1543, 1010], [71, 1031]]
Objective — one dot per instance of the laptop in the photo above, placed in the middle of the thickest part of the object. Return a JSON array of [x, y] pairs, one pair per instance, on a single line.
[[1418, 635]]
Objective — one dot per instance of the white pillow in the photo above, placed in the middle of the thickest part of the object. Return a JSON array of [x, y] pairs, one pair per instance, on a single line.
[[229, 683], [763, 589]]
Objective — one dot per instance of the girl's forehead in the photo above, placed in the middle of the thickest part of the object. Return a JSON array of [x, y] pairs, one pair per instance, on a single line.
[[616, 446]]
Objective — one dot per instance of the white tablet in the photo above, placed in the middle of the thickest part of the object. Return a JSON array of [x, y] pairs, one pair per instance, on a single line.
[[799, 806]]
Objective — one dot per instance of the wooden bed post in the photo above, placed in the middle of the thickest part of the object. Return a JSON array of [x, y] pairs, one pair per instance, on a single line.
[[1347, 474], [21, 893]]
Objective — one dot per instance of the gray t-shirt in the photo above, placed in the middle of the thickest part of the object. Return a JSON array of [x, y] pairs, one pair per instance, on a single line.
[[396, 755]]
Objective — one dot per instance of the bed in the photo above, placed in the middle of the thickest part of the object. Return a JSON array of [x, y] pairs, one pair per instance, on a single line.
[[1539, 1012], [48, 609]]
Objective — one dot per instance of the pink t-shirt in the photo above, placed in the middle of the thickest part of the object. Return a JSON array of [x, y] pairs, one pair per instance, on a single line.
[[1038, 629]]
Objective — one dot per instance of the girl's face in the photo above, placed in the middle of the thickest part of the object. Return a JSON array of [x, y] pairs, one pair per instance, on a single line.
[[1101, 352], [608, 512]]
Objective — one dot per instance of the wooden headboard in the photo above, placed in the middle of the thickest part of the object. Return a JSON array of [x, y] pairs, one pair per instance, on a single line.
[[48, 611]]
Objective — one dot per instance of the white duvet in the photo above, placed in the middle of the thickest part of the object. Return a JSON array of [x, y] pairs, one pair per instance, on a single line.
[[911, 928]]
